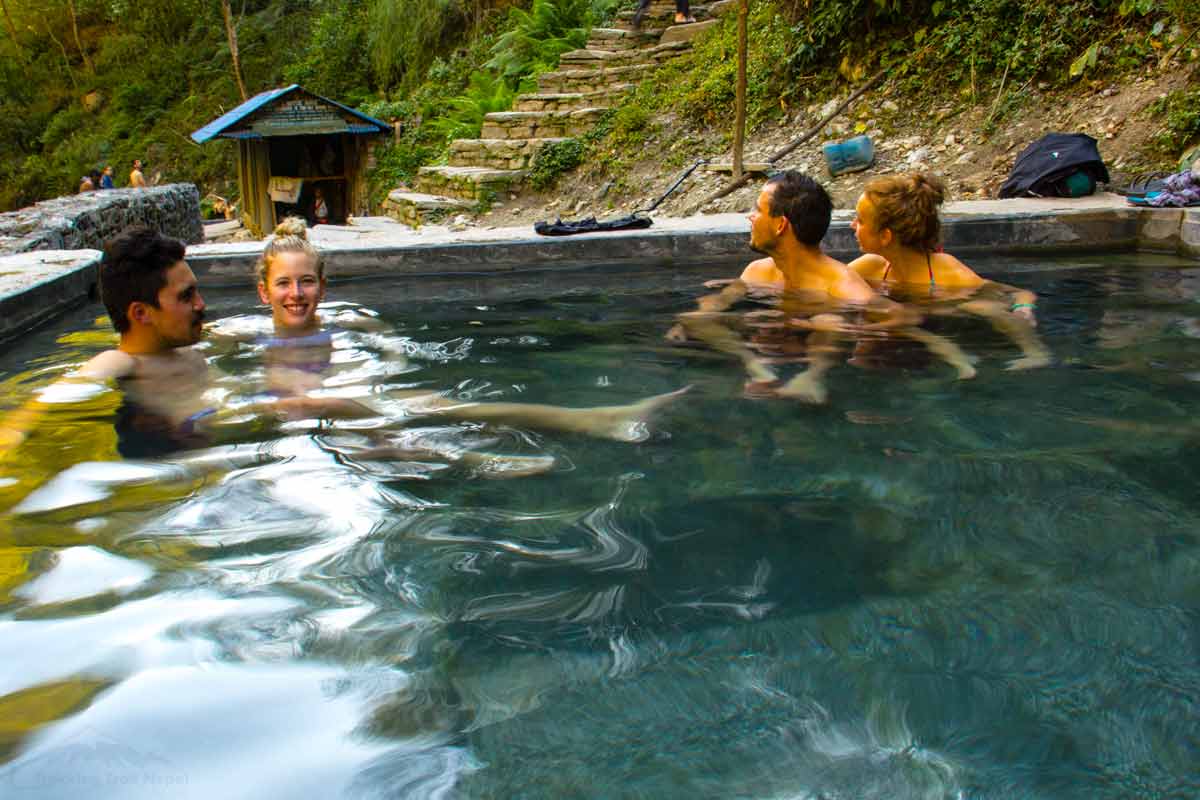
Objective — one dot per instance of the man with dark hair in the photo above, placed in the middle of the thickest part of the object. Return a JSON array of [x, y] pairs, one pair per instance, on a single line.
[[789, 220], [155, 305], [153, 301]]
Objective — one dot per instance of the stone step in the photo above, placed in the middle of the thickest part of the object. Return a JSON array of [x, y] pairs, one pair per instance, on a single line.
[[416, 209], [606, 59], [510, 154], [661, 15], [685, 33], [568, 101], [620, 39], [539, 124], [572, 76], [468, 183], [591, 80]]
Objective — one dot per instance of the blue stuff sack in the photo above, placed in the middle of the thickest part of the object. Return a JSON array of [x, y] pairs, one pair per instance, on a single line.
[[852, 155]]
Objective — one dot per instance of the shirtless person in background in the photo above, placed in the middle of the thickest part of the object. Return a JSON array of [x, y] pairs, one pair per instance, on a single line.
[[790, 218]]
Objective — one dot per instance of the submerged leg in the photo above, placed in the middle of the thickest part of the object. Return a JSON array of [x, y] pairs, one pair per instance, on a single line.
[[488, 465], [622, 423], [1034, 353], [944, 349], [809, 386], [711, 329]]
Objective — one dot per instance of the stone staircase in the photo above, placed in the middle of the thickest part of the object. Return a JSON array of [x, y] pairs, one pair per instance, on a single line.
[[569, 102]]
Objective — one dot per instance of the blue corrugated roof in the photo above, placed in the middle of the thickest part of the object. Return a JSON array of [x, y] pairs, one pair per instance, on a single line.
[[222, 123]]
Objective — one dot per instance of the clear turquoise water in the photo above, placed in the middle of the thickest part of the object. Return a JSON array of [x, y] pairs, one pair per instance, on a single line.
[[927, 588]]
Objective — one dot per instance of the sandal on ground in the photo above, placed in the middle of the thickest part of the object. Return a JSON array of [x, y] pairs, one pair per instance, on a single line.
[[1144, 184]]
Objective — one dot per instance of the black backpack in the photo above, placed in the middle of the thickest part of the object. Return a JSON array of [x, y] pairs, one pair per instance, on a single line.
[[1057, 165]]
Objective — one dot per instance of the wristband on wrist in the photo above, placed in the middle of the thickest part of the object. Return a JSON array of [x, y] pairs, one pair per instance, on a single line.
[[1015, 306]]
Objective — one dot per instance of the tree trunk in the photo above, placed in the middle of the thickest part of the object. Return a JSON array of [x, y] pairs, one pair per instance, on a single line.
[[66, 58], [87, 62], [231, 34], [739, 124], [12, 29]]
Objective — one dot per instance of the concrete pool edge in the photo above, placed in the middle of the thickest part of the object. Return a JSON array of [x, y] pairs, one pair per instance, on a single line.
[[35, 287]]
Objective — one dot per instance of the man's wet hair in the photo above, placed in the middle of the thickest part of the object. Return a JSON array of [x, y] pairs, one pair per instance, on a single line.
[[134, 269], [804, 202]]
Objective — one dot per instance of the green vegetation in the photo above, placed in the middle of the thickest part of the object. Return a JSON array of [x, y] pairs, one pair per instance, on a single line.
[[140, 77], [939, 51], [554, 159], [1180, 113], [86, 82]]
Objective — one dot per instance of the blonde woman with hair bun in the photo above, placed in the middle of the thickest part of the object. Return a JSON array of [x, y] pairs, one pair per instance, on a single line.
[[897, 226], [292, 281]]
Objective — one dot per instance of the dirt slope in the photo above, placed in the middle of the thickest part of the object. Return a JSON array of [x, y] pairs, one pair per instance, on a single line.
[[950, 140]]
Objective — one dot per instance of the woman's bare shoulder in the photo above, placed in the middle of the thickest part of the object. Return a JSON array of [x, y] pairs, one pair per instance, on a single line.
[[949, 271], [870, 266]]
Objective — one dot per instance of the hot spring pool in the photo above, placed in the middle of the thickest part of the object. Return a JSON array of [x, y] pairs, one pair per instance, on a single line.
[[926, 588]]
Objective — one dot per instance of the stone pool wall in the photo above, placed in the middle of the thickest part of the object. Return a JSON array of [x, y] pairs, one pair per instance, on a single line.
[[87, 221]]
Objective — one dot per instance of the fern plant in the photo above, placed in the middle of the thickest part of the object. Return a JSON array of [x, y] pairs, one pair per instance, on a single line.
[[535, 38], [484, 94]]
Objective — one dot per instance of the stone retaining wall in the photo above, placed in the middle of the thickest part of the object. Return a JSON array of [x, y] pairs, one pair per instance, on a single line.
[[81, 221]]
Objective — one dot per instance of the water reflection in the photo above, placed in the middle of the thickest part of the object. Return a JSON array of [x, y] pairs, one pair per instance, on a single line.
[[927, 590]]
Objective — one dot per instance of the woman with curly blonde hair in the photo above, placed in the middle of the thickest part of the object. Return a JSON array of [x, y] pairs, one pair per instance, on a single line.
[[897, 227]]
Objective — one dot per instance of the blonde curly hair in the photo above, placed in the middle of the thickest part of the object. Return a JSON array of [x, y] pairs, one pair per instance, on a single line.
[[907, 205]]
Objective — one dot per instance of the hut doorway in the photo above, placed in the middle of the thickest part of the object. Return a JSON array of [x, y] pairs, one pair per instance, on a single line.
[[308, 166]]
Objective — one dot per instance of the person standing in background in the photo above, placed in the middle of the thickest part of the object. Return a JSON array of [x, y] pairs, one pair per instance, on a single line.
[[106, 180], [683, 13], [320, 207], [136, 179]]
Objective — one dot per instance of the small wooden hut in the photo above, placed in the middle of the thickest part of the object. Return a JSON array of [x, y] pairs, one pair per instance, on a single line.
[[292, 144]]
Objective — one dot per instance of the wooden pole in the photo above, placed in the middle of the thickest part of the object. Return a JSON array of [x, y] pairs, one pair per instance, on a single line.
[[737, 183], [739, 124]]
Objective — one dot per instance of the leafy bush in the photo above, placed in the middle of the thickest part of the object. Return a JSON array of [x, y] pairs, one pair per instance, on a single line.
[[405, 36], [334, 61], [484, 94], [534, 39], [555, 159]]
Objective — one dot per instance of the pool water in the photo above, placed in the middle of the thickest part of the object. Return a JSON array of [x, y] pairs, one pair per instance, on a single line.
[[926, 588]]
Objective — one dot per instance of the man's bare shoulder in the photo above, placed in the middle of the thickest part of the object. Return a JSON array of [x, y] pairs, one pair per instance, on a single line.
[[852, 288], [762, 271], [110, 364]]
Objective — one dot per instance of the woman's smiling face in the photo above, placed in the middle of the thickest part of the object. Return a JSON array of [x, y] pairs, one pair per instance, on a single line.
[[293, 289]]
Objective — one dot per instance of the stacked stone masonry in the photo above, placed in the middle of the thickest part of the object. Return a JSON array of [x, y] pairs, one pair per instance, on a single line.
[[468, 183], [87, 221], [507, 154], [524, 125], [569, 103]]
